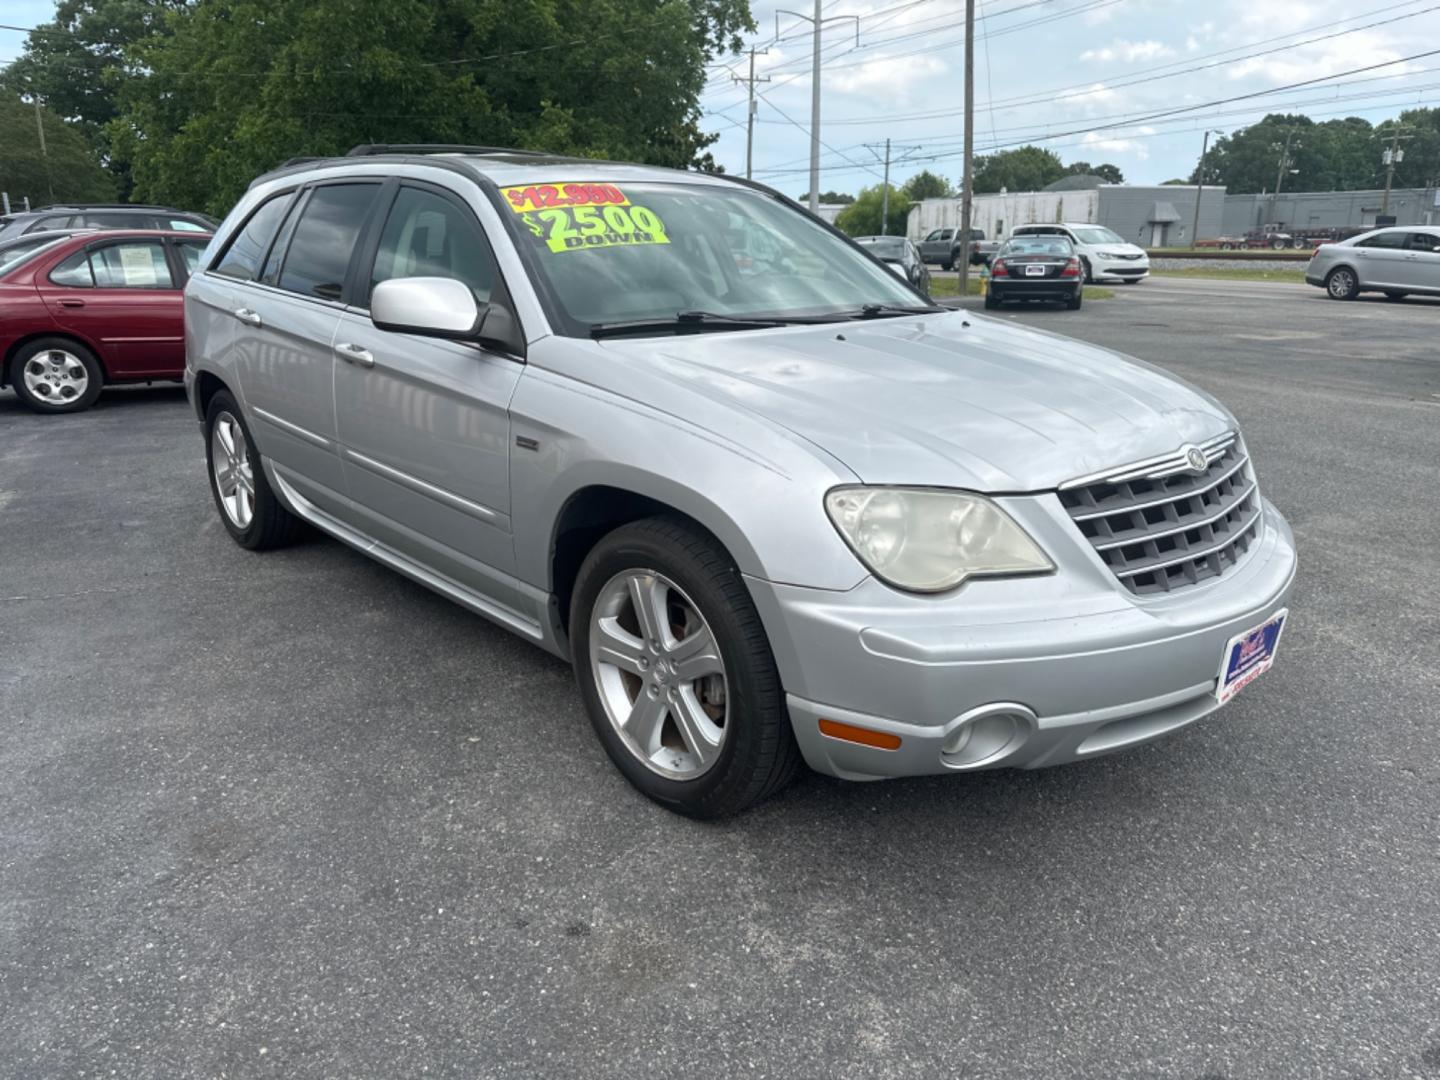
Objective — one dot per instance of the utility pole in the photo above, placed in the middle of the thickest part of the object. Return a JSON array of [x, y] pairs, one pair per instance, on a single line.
[[1280, 178], [817, 21], [44, 154], [969, 156], [1392, 157], [750, 122], [885, 185], [1199, 187]]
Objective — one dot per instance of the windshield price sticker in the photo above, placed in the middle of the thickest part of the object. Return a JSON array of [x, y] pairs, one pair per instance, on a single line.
[[546, 196], [585, 228]]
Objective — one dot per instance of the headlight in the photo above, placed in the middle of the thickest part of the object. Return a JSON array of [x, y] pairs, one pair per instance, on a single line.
[[1110, 255], [930, 540]]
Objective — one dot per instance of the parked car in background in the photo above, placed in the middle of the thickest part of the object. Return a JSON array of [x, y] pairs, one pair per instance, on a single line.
[[935, 247], [764, 515], [1036, 267], [900, 255], [1397, 260], [15, 249], [981, 250], [103, 216], [92, 309], [1104, 255]]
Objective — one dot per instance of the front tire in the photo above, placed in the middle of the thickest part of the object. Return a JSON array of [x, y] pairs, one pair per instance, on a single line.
[[676, 671], [56, 375], [992, 301], [1342, 284], [249, 510], [1089, 275]]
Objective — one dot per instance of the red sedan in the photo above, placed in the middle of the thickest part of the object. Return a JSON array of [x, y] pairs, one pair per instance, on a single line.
[[92, 309]]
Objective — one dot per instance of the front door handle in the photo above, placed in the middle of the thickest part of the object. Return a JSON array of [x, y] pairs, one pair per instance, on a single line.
[[354, 354], [248, 316], [72, 303]]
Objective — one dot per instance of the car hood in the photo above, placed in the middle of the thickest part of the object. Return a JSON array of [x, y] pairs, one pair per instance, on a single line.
[[952, 400]]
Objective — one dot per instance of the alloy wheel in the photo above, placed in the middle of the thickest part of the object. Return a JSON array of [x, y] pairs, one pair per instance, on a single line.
[[56, 377], [1341, 284], [659, 674], [230, 464]]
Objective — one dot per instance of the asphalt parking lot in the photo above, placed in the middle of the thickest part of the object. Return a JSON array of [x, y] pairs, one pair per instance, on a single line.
[[293, 815]]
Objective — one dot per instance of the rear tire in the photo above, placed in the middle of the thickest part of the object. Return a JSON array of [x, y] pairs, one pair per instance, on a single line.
[[56, 375], [1342, 284], [1074, 302], [947, 267], [992, 302], [249, 510], [701, 747]]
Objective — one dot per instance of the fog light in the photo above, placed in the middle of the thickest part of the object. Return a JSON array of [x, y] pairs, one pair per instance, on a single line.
[[987, 735]]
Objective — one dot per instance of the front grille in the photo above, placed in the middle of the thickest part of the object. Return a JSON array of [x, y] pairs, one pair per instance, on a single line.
[[1159, 525]]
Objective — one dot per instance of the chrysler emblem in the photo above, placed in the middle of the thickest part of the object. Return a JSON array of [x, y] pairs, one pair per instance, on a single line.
[[1195, 458]]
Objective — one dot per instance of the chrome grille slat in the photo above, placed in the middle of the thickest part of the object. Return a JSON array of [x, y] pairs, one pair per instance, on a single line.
[[1157, 529], [1164, 499]]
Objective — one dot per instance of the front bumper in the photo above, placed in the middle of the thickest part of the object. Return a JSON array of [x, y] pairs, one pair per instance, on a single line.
[[1076, 665], [1125, 269]]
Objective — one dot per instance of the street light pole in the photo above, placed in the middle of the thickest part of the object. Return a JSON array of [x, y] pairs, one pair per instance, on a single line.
[[1199, 187], [969, 154], [818, 22]]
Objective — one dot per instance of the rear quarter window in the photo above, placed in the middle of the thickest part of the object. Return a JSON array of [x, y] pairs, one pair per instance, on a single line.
[[243, 254]]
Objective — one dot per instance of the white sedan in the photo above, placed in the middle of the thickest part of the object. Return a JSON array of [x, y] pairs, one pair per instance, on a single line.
[[1103, 254]]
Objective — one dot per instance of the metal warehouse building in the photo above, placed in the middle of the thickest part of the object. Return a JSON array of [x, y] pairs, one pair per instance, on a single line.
[[1149, 216], [1313, 209]]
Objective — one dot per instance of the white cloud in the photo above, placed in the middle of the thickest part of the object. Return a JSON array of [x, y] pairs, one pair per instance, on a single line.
[[1118, 143], [1128, 51], [893, 77], [1091, 95], [1312, 62]]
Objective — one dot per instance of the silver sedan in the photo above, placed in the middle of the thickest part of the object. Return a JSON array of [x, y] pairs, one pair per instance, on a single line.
[[1397, 261]]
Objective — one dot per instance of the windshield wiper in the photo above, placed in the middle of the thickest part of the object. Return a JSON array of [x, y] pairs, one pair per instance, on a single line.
[[684, 321], [876, 311]]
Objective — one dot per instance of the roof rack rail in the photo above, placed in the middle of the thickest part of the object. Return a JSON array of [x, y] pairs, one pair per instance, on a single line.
[[101, 206], [372, 149], [302, 160]]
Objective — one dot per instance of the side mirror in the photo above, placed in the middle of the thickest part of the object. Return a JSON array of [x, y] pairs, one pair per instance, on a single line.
[[432, 306]]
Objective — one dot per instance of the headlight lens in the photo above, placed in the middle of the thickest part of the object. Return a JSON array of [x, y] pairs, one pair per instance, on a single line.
[[930, 540]]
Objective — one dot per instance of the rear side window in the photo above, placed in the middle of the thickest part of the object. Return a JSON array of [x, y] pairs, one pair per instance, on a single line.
[[74, 271], [426, 235], [1420, 241], [319, 253], [190, 252], [1383, 240], [120, 220], [134, 265], [182, 225], [242, 256]]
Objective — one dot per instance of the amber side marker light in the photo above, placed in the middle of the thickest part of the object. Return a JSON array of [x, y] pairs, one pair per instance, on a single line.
[[881, 740]]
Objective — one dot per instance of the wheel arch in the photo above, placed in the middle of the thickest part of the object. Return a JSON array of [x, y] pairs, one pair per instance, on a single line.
[[207, 385], [64, 335], [594, 509]]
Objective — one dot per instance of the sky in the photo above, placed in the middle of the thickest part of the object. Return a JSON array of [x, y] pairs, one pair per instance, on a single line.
[[1085, 78]]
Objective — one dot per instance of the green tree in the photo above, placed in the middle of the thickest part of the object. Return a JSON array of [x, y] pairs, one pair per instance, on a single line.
[[926, 185], [236, 86], [1336, 155], [862, 217], [1111, 174], [67, 172], [1027, 168], [831, 197], [1421, 166], [77, 60]]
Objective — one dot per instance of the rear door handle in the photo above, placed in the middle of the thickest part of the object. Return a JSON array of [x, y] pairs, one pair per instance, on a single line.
[[248, 316], [72, 303], [354, 354]]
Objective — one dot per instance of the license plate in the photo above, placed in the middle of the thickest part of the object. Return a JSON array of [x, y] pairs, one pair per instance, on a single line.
[[1034, 271], [1249, 655]]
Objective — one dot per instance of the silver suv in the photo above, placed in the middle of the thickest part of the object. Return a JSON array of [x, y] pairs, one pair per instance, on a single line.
[[770, 501]]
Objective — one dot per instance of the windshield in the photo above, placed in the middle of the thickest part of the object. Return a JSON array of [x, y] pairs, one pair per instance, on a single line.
[[1097, 235], [608, 253], [1037, 245]]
